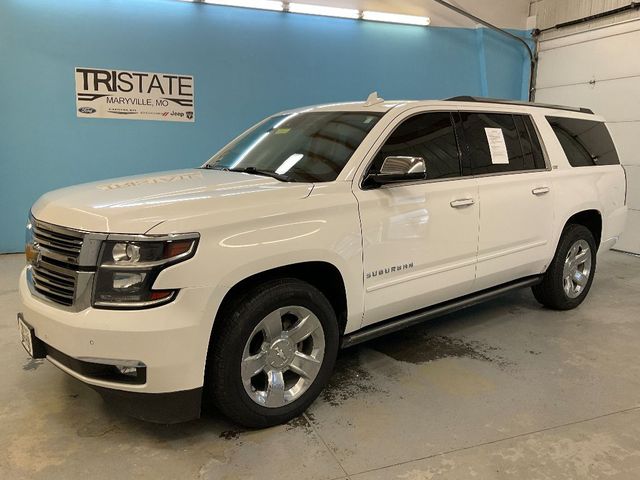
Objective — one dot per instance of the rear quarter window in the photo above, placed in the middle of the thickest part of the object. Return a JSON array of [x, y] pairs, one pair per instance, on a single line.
[[585, 142]]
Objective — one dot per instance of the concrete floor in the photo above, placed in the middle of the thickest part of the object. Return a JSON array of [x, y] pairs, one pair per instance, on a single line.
[[502, 390]]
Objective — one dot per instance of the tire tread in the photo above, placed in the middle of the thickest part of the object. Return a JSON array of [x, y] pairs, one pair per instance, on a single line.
[[230, 332], [550, 291]]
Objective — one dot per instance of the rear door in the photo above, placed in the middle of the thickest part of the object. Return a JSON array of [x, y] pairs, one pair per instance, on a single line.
[[503, 152]]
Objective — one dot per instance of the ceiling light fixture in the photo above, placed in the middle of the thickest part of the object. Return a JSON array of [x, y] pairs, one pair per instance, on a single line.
[[259, 4], [395, 18], [321, 10], [324, 11]]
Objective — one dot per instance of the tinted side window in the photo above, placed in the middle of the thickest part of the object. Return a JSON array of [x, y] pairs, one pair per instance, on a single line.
[[534, 158], [427, 135], [500, 129], [585, 142]]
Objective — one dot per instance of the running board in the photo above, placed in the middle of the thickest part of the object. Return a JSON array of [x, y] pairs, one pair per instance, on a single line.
[[419, 316]]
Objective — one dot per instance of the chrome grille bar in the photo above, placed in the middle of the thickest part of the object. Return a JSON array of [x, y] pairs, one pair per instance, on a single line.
[[56, 286], [46, 237], [57, 242], [63, 280], [42, 278]]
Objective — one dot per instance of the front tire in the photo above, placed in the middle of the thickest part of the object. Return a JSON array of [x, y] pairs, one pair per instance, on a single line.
[[272, 353], [568, 279]]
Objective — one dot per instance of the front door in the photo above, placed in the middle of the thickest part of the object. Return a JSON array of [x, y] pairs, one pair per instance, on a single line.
[[419, 238]]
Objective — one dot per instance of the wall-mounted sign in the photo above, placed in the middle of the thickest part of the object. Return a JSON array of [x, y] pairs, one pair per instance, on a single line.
[[133, 95]]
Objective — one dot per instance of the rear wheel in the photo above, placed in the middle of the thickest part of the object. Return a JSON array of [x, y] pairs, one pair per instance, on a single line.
[[568, 279], [272, 353]]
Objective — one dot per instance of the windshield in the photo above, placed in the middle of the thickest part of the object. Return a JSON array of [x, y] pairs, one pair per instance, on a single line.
[[299, 147]]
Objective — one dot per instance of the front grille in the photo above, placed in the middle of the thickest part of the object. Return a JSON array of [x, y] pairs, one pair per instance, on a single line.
[[58, 243], [63, 255], [54, 283]]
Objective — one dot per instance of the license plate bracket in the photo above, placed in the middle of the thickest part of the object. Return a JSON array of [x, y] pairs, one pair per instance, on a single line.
[[32, 344]]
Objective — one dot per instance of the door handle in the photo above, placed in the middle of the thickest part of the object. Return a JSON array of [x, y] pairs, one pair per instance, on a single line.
[[462, 202], [540, 190]]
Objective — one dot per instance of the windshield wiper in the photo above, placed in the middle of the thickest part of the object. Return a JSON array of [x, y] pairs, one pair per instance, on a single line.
[[250, 170], [257, 171]]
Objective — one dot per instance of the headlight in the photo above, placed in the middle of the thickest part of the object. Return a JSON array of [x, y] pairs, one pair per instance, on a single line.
[[129, 266]]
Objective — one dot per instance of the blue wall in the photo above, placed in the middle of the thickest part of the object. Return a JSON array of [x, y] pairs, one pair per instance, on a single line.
[[246, 63]]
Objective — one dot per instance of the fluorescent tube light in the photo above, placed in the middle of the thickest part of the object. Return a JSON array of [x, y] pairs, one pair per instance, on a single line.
[[260, 4], [395, 18], [324, 11]]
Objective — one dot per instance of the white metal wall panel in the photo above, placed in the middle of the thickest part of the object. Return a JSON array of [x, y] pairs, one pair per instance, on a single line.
[[627, 137], [633, 194], [630, 240], [616, 100], [600, 57], [600, 69]]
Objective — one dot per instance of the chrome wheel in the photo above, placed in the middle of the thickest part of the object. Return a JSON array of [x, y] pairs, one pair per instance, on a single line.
[[577, 268], [282, 356]]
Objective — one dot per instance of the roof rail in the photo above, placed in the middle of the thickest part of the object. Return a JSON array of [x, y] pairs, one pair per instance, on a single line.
[[467, 98]]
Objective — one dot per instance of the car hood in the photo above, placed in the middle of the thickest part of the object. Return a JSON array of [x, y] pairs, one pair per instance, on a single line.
[[136, 204]]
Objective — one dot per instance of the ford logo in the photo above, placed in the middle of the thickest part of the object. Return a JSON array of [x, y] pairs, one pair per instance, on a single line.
[[87, 110]]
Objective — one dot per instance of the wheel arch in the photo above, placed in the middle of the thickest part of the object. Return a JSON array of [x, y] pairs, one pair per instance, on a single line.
[[323, 275], [591, 219]]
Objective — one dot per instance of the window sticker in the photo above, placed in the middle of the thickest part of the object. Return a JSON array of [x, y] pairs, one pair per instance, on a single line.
[[497, 146], [282, 131]]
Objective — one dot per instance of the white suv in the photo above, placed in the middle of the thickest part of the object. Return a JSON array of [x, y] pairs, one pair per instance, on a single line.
[[236, 283]]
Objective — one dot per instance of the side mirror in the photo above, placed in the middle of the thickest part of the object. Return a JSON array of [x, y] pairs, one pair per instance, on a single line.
[[398, 169]]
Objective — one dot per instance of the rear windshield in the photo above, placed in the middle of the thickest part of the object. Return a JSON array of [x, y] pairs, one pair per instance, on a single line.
[[585, 142]]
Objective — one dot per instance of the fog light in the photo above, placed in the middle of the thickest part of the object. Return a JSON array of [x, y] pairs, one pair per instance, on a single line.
[[129, 371]]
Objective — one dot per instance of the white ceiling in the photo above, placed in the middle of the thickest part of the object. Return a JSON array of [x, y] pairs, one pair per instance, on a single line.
[[502, 13]]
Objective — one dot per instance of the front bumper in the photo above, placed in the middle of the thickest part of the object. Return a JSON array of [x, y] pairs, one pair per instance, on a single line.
[[171, 342]]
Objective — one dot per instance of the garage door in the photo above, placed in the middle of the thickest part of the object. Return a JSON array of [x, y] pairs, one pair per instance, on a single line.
[[600, 69]]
